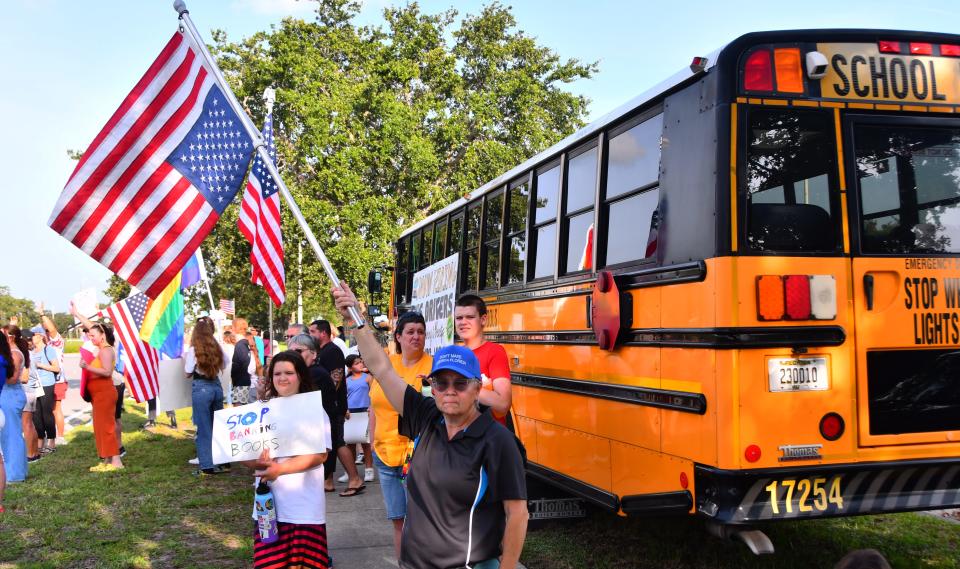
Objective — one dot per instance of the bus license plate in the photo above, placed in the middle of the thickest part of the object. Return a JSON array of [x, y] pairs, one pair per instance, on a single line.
[[798, 374]]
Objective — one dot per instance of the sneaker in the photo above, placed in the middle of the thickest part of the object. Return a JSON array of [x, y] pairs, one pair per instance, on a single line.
[[359, 458], [368, 475], [149, 424], [207, 471], [45, 451], [34, 458], [123, 451], [194, 461], [343, 478]]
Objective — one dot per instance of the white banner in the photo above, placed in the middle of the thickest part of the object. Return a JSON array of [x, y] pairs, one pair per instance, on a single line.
[[434, 296], [285, 426], [85, 302], [176, 390]]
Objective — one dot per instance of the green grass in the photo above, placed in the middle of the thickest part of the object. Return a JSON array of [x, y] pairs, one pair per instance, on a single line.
[[72, 346], [154, 513], [605, 541]]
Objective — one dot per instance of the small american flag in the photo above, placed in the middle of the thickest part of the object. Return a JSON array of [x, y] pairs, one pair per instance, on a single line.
[[141, 362], [226, 306], [259, 221], [155, 180]]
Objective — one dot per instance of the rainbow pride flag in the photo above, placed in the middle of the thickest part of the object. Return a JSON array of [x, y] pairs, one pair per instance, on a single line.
[[163, 322]]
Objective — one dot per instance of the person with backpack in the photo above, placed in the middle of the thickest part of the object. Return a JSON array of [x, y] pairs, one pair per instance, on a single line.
[[45, 366]]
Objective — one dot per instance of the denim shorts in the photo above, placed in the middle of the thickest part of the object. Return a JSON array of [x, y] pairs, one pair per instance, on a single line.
[[391, 485]]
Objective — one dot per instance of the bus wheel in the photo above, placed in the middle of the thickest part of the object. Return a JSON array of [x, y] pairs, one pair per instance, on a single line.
[[756, 540]]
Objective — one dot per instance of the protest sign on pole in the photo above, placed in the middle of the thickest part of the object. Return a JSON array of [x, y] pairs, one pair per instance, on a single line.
[[434, 296], [285, 426], [85, 302], [175, 389]]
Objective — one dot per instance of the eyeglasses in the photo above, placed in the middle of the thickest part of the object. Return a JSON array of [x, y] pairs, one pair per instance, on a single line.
[[441, 385], [290, 336]]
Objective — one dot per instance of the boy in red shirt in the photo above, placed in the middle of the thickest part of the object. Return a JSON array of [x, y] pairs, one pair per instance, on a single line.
[[470, 315]]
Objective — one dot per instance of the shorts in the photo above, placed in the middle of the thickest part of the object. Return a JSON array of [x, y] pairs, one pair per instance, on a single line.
[[241, 394], [391, 485], [31, 405], [120, 390], [60, 390]]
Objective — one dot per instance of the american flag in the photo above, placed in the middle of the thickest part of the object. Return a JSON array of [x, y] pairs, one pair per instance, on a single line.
[[226, 306], [141, 362], [154, 181], [259, 222]]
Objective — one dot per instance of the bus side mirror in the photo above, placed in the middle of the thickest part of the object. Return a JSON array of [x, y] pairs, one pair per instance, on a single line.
[[375, 282]]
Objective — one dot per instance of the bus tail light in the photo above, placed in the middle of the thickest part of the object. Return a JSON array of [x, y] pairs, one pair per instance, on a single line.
[[889, 46], [684, 481], [832, 426], [950, 50], [920, 48], [796, 297], [789, 69], [752, 453], [758, 72]]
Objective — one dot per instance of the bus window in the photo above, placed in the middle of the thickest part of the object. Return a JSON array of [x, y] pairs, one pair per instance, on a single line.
[[789, 171], [456, 235], [633, 167], [544, 236], [439, 247], [400, 286], [516, 232], [909, 182], [471, 260], [581, 190], [427, 251], [415, 256], [492, 231]]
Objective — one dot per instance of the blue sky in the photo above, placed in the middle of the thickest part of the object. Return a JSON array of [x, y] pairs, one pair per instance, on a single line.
[[68, 64]]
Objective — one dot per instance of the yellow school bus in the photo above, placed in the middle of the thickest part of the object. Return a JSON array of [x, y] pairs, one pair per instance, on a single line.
[[738, 295]]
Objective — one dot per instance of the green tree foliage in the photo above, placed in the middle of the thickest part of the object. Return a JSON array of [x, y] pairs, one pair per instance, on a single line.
[[22, 308], [117, 289], [377, 127]]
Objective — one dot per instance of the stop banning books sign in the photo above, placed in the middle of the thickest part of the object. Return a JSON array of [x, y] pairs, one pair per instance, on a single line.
[[284, 426]]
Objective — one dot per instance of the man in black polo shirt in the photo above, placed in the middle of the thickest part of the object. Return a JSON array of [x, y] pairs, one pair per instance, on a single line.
[[331, 357]]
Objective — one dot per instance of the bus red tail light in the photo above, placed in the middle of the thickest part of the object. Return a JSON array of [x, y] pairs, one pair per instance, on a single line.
[[919, 48], [832, 426], [950, 50], [889, 46], [789, 70], [752, 453], [796, 297], [758, 71]]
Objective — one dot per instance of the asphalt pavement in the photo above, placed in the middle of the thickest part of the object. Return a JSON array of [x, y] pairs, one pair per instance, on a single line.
[[76, 411]]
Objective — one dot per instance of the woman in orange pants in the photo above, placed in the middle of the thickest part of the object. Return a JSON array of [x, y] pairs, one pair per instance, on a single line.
[[104, 397]]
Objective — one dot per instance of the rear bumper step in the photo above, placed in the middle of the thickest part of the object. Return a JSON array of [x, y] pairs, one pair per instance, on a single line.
[[748, 496]]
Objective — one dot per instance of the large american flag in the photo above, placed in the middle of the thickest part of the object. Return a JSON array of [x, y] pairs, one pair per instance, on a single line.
[[259, 222], [154, 181], [141, 362]]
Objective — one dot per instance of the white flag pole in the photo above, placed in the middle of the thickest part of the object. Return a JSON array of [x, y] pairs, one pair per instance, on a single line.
[[181, 7]]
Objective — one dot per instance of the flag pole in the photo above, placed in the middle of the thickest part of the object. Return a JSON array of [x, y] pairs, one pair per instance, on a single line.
[[181, 7]]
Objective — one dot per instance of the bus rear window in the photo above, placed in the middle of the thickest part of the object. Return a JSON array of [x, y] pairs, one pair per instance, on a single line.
[[909, 184], [790, 164]]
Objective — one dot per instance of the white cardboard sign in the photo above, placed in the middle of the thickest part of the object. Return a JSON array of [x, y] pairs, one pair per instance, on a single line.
[[434, 296], [85, 302], [285, 426], [175, 388]]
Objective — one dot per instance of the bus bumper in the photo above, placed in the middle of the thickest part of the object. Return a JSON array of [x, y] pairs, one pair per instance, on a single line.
[[749, 496]]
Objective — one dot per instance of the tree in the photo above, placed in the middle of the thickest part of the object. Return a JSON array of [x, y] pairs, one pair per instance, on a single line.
[[22, 308], [377, 127], [117, 289]]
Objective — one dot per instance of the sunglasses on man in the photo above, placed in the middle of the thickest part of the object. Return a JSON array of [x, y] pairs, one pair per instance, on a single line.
[[442, 384]]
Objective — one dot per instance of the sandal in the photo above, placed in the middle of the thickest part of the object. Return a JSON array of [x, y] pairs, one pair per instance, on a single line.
[[352, 491]]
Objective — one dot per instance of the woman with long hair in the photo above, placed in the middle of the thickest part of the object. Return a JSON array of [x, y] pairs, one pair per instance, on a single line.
[[104, 398], [296, 483], [44, 366], [12, 402], [203, 361]]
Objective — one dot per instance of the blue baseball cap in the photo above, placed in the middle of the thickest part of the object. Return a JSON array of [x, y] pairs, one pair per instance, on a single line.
[[456, 358]]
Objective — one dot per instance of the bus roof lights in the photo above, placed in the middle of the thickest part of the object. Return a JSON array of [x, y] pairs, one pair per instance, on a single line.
[[699, 65], [920, 48], [949, 50], [758, 71], [789, 70], [797, 295], [770, 302], [889, 46]]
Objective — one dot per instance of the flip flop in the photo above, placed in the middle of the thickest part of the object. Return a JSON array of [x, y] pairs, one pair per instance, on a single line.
[[352, 491]]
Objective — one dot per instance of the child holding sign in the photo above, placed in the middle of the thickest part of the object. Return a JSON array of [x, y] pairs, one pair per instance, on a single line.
[[296, 483]]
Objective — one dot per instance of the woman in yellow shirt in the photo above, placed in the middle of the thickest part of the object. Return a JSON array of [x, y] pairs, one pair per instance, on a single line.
[[390, 447]]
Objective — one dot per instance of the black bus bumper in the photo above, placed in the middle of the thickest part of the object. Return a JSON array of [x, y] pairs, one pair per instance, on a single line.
[[749, 496]]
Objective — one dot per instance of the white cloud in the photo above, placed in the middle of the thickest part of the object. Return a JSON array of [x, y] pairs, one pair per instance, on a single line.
[[275, 7]]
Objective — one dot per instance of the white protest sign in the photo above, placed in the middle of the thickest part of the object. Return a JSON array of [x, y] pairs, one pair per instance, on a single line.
[[285, 426], [434, 296], [175, 389], [86, 302]]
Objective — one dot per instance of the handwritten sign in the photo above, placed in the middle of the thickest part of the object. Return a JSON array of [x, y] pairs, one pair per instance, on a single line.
[[85, 302], [434, 296], [285, 426]]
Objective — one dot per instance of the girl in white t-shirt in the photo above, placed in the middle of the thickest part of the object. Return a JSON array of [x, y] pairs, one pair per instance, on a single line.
[[296, 483]]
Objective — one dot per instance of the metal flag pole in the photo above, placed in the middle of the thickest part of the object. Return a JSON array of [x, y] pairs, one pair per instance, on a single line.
[[181, 7], [269, 97]]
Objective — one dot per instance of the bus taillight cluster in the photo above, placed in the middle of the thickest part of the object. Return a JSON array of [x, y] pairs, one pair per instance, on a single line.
[[796, 297]]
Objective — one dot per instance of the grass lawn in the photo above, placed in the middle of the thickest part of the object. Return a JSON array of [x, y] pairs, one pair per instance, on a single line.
[[154, 513], [72, 345], [605, 541]]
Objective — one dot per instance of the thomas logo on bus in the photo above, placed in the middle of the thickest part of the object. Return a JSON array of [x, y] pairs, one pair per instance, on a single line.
[[861, 72]]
